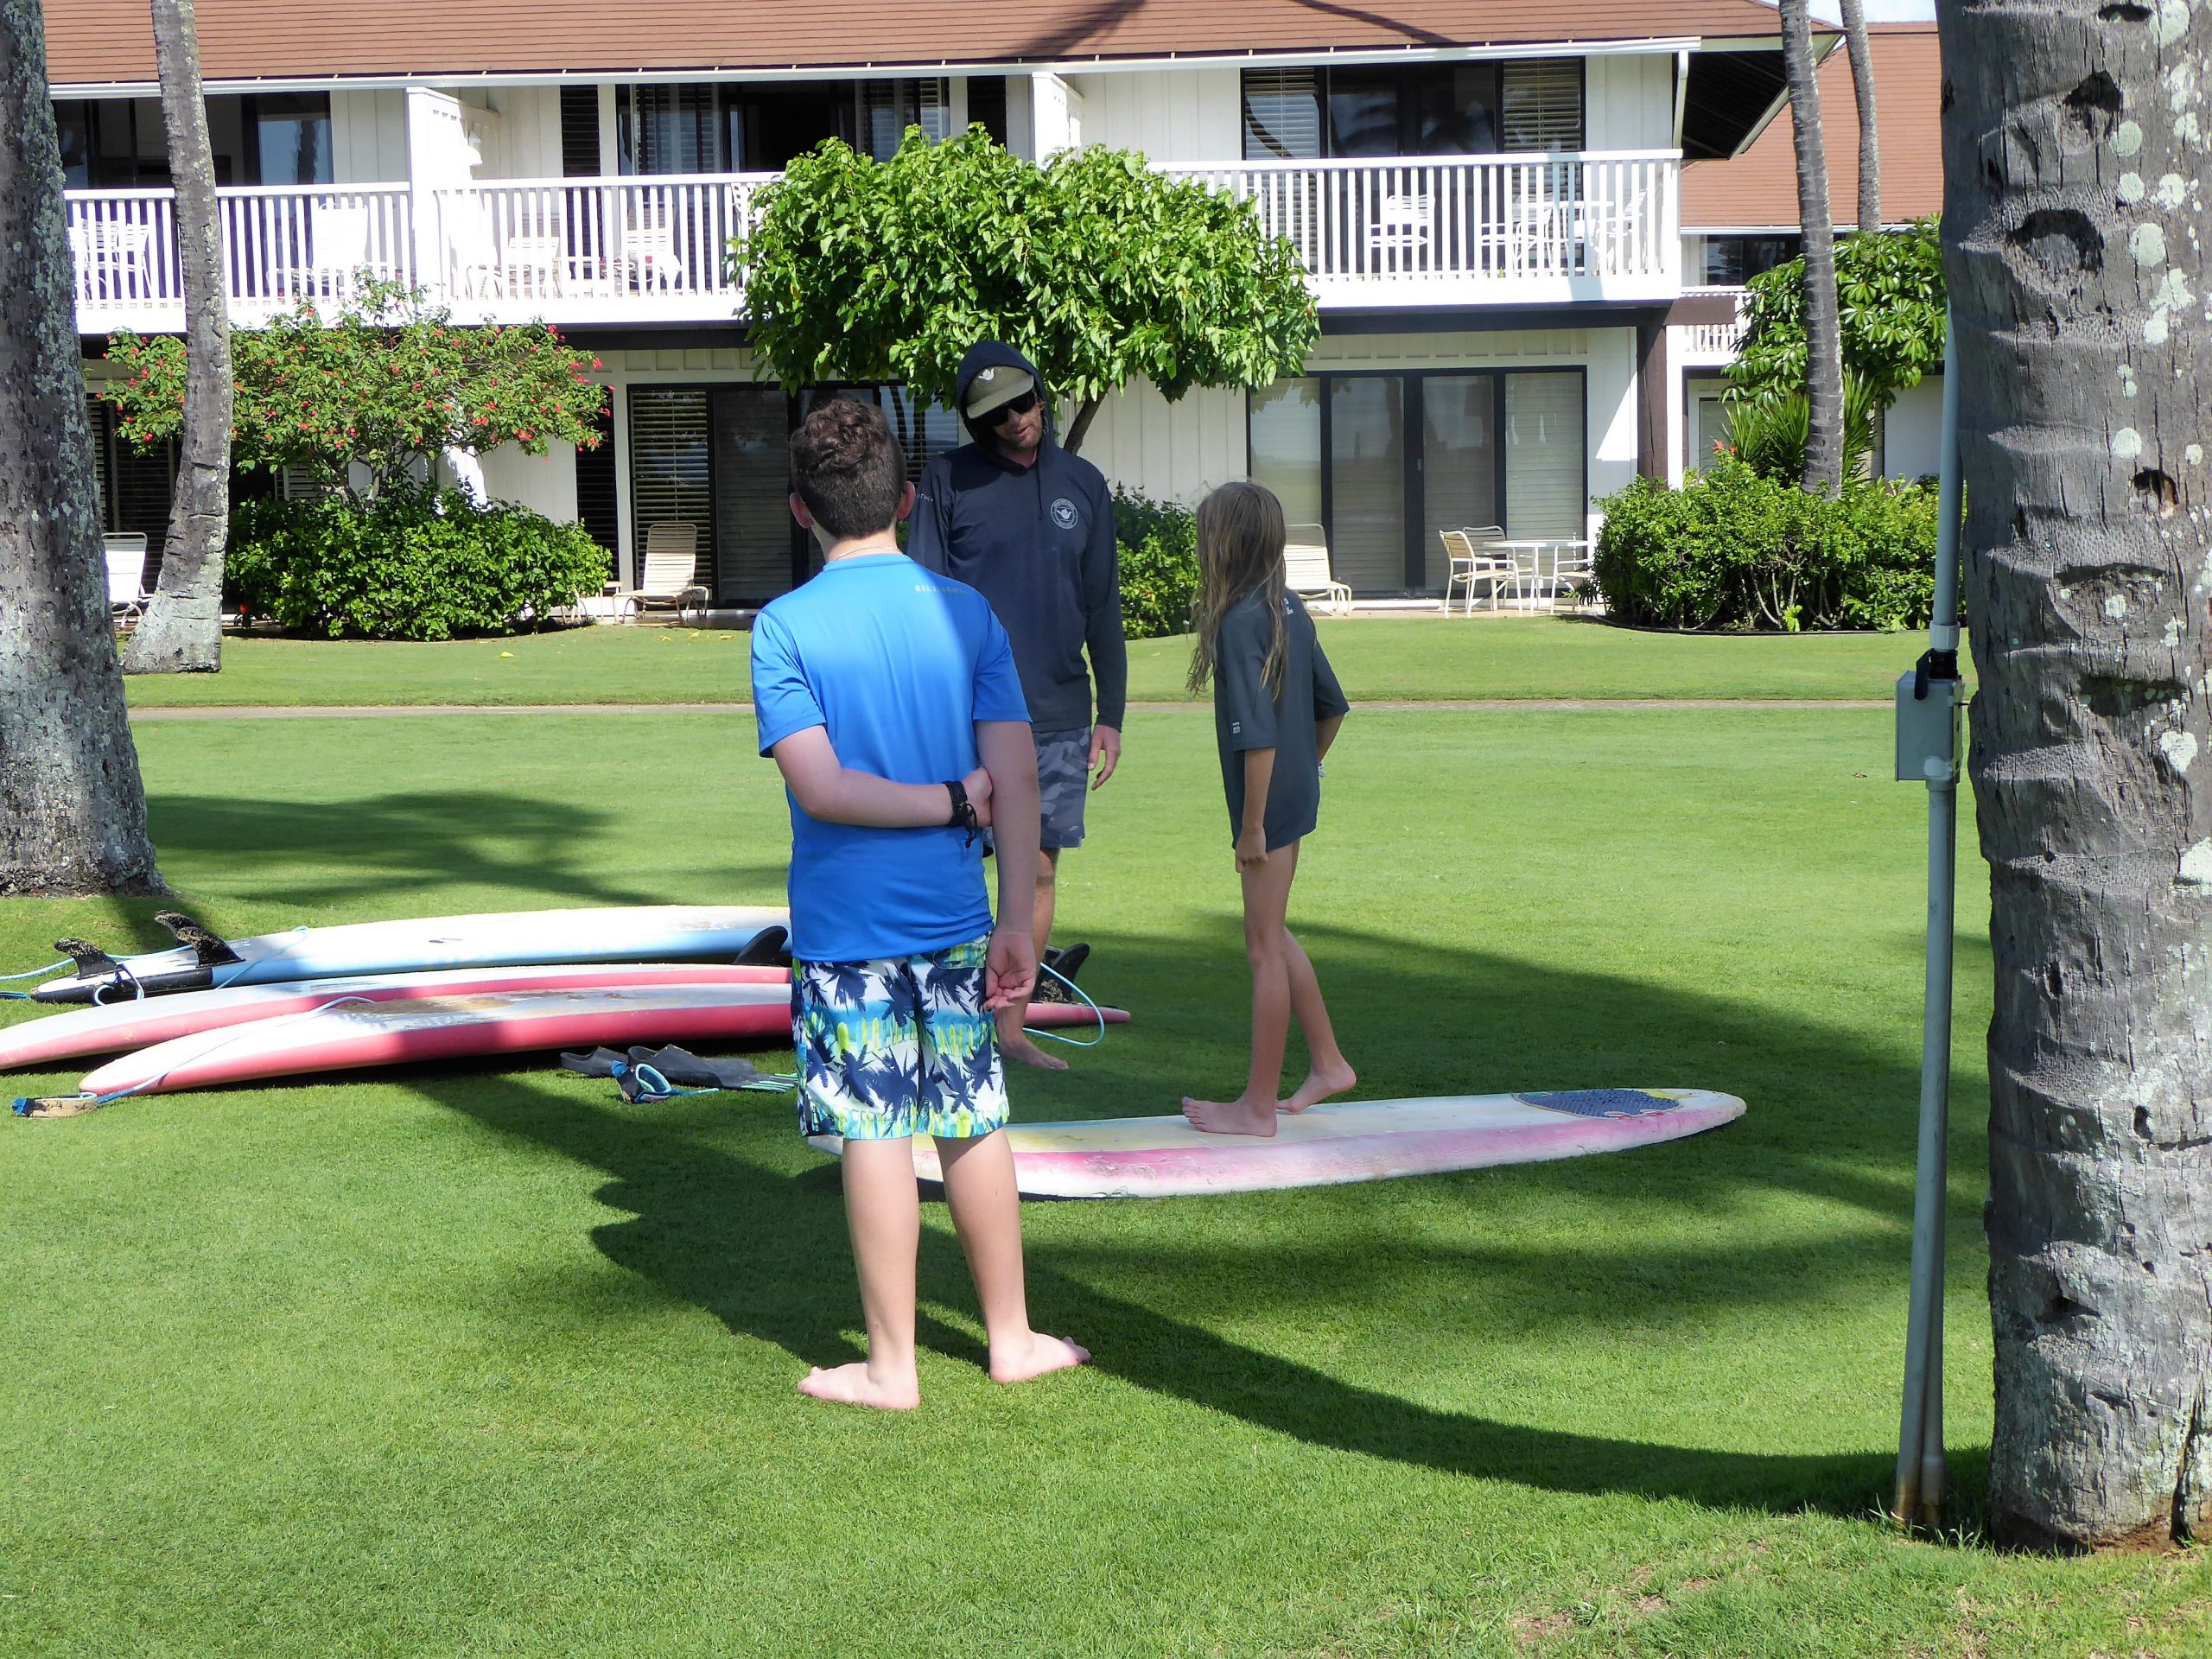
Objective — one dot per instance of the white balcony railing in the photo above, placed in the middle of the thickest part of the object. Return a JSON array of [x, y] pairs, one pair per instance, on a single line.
[[282, 244], [1504, 227], [1704, 344], [1440, 230]]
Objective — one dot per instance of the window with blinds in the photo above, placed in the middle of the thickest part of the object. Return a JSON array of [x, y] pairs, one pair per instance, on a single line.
[[670, 465], [672, 129], [1540, 104], [886, 109], [1282, 115], [579, 132], [1544, 487]]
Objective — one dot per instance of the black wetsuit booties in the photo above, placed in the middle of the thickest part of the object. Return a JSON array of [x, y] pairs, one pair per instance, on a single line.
[[1038, 542]]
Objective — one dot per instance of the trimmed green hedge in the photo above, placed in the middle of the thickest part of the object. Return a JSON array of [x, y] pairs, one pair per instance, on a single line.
[[1733, 550], [1159, 563], [417, 565]]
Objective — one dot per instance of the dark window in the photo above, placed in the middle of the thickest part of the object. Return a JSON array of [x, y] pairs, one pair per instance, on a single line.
[[1452, 109], [579, 132], [986, 105], [760, 128], [73, 122], [596, 494], [1732, 261], [290, 136]]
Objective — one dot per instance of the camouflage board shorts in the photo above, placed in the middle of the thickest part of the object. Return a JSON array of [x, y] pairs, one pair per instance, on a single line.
[[897, 1047], [1063, 781]]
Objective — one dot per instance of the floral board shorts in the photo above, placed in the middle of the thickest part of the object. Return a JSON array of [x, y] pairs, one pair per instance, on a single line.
[[897, 1047]]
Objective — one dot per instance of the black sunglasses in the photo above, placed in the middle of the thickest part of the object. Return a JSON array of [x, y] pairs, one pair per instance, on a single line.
[[1012, 407]]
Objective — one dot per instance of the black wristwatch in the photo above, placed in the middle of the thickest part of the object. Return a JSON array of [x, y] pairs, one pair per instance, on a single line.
[[964, 810]]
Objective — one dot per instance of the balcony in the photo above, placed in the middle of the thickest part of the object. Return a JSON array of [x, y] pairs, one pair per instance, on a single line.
[[1453, 231], [1709, 345]]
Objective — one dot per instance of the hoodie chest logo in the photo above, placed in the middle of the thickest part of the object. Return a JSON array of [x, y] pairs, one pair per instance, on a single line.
[[1064, 513]]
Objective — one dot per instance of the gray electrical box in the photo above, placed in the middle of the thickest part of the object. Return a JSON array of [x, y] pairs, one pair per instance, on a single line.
[[1928, 730]]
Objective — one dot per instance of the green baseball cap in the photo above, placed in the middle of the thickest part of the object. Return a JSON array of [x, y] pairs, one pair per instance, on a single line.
[[997, 383]]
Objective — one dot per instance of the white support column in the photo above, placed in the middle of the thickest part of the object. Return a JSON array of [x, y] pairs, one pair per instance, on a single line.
[[1055, 116]]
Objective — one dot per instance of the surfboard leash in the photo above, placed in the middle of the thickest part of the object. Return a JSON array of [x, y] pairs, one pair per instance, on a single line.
[[1082, 997]]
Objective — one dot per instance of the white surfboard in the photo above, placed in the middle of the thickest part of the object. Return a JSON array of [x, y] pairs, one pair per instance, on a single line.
[[501, 939], [1363, 1140]]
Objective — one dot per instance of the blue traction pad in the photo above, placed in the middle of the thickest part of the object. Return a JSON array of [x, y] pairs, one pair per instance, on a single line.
[[1604, 1103]]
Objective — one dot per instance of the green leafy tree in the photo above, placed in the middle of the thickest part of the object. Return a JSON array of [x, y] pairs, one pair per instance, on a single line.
[[1098, 268], [1890, 289], [384, 385]]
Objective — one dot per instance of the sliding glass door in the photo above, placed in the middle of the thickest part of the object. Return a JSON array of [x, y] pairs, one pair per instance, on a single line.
[[1384, 462]]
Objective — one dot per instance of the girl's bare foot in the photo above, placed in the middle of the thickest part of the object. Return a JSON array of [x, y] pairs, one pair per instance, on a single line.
[[1038, 1355], [852, 1385], [1242, 1115], [1019, 1048], [1320, 1083]]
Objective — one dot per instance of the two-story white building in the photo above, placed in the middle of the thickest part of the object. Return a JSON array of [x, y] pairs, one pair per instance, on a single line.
[[1486, 194]]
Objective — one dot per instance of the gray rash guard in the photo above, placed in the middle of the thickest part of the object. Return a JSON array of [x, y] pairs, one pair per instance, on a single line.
[[1246, 717]]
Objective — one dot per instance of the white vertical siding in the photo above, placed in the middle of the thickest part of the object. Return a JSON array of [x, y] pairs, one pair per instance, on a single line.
[[1168, 451], [1629, 101], [529, 124], [1912, 432], [545, 483], [368, 137], [1171, 115]]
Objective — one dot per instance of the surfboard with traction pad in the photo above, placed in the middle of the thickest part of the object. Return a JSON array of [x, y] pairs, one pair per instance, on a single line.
[[1332, 1144]]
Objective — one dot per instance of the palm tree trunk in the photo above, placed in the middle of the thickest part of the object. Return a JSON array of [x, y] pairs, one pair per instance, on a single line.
[[2081, 341], [1823, 335], [1856, 43], [72, 814], [182, 631]]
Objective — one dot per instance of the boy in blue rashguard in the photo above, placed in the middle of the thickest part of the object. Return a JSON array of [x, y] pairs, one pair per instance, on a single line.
[[888, 697]]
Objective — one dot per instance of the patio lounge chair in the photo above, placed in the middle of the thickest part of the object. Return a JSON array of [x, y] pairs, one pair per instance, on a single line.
[[127, 576], [1306, 569], [671, 569]]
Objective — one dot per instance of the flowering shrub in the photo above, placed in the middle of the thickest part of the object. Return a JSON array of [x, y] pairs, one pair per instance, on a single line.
[[413, 564], [383, 386]]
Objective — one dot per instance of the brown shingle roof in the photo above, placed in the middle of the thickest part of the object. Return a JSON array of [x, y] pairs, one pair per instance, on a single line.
[[1759, 187], [93, 43]]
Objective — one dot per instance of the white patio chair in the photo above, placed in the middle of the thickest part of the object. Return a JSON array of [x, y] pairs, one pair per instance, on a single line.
[[339, 247], [112, 260], [1573, 565], [127, 576], [1306, 569], [1466, 566], [1402, 226], [671, 569], [531, 265]]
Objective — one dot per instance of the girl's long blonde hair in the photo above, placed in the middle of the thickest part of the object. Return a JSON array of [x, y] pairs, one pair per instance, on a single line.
[[1241, 539]]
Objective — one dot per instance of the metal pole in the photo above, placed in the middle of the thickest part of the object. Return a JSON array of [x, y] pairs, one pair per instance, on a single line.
[[1921, 1480]]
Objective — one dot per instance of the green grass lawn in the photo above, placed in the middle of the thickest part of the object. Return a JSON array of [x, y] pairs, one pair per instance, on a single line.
[[477, 1359], [1410, 658]]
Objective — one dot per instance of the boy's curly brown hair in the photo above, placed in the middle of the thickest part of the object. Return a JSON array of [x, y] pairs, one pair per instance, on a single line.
[[848, 468]]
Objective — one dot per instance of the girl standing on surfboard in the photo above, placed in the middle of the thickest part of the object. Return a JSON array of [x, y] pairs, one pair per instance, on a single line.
[[1277, 709]]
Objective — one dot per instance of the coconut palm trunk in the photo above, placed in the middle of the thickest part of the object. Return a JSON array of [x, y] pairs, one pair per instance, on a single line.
[[72, 814], [182, 630], [1823, 335], [1861, 48], [2073, 253]]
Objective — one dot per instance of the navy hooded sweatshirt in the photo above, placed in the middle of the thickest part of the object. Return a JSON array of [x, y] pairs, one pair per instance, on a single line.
[[1038, 542]]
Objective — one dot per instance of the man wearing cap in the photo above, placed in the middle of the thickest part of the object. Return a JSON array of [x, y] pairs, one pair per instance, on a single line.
[[1030, 527]]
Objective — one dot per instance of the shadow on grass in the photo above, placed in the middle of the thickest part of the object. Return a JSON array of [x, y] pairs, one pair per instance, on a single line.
[[381, 845], [766, 1252]]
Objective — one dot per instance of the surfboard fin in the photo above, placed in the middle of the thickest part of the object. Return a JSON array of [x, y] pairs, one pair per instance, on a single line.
[[770, 948], [211, 950], [90, 961]]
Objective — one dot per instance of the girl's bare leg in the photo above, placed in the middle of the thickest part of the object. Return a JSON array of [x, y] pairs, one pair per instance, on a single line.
[[1267, 946], [986, 1213], [1329, 1072]]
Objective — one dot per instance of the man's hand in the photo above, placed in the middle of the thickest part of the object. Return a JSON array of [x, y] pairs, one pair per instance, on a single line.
[[1252, 848], [978, 785], [1009, 970], [1105, 753]]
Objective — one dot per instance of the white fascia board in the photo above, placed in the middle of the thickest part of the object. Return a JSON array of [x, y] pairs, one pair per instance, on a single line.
[[944, 66]]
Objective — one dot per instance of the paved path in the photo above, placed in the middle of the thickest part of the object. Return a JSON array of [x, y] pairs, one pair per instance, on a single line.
[[1470, 705]]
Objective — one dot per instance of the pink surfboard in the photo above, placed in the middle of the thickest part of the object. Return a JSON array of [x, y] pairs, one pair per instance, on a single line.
[[1365, 1140], [141, 1022], [353, 1035]]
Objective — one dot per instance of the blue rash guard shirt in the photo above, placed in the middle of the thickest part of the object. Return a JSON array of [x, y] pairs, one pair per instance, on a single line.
[[897, 664]]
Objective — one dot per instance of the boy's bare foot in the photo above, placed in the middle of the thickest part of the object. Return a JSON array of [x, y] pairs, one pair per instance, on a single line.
[[1019, 1048], [1039, 1356], [851, 1385], [1319, 1084], [1242, 1115]]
